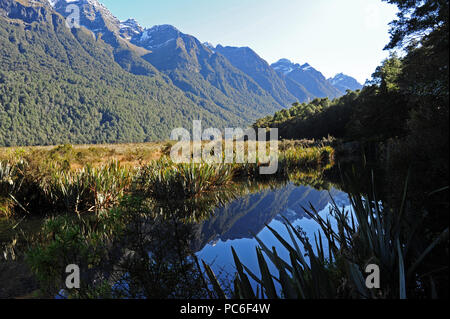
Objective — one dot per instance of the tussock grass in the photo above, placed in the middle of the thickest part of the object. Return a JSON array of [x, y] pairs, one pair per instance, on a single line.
[[11, 179], [89, 189], [310, 157], [165, 180], [78, 156], [81, 179]]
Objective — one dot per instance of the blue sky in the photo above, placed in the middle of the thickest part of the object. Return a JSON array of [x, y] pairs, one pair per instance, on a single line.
[[332, 35]]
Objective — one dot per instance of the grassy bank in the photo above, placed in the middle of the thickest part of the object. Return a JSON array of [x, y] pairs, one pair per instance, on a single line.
[[81, 179], [78, 156], [89, 197]]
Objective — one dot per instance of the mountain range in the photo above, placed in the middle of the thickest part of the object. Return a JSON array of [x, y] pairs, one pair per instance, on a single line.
[[232, 221], [114, 81]]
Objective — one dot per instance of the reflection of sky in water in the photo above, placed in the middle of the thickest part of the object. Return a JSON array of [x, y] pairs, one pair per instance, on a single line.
[[219, 255]]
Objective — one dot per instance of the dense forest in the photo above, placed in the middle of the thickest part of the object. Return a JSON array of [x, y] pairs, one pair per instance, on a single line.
[[72, 86], [57, 86]]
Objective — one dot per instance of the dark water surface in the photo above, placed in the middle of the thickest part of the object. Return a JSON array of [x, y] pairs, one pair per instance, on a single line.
[[154, 257], [236, 224]]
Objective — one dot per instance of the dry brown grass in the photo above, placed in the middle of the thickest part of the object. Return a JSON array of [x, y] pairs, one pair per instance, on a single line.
[[78, 156], [129, 155]]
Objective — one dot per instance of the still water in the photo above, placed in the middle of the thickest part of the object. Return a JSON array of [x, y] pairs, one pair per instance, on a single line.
[[236, 224], [153, 258]]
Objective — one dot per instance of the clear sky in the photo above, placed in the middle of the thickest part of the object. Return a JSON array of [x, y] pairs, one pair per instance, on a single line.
[[332, 35]]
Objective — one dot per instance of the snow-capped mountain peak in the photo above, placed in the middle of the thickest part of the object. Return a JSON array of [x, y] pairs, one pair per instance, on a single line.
[[338, 78], [306, 67], [344, 82], [130, 28], [91, 2], [130, 23], [306, 75], [158, 36], [285, 66]]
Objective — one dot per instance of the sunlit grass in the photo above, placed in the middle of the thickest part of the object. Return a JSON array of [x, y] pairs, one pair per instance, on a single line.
[[79, 179], [165, 180], [89, 189]]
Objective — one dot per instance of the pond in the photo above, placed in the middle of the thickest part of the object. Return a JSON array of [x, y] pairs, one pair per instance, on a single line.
[[153, 255], [237, 223]]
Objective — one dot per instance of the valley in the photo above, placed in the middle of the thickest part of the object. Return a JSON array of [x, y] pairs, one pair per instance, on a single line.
[[116, 82], [342, 177]]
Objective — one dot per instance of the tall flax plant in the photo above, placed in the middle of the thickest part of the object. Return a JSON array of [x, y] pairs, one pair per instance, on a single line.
[[369, 234], [11, 179], [90, 189], [165, 180]]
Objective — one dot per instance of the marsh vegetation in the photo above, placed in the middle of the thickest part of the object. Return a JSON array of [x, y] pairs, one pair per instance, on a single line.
[[132, 228], [94, 205]]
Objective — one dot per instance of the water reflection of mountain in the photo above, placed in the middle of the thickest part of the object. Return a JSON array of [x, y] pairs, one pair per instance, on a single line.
[[248, 215]]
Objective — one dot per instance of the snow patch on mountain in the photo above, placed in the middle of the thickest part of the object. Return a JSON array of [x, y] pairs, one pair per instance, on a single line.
[[130, 28], [54, 2], [344, 82], [210, 46], [306, 67], [130, 24], [285, 66], [91, 2]]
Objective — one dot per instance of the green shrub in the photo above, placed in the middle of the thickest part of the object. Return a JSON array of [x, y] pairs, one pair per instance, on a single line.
[[67, 240]]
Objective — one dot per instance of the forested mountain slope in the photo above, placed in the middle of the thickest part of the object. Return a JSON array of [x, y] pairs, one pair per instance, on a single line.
[[114, 81], [248, 61], [308, 77], [64, 85]]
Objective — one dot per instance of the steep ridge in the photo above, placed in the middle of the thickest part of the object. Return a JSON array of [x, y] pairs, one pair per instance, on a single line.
[[344, 82], [207, 79], [203, 73], [308, 77], [60, 85], [248, 61]]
